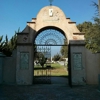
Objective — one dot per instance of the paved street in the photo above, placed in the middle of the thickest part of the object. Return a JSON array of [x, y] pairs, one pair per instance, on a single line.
[[55, 91]]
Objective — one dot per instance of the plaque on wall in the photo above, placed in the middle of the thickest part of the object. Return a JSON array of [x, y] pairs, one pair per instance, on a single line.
[[24, 60], [77, 61]]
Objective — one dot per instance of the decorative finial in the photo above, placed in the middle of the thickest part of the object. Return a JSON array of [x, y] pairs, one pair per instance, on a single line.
[[51, 2]]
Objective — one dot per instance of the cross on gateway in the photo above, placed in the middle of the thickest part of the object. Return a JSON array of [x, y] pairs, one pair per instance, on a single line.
[[50, 2]]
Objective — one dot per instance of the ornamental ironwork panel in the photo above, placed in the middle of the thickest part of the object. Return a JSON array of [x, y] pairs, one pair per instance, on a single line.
[[50, 37]]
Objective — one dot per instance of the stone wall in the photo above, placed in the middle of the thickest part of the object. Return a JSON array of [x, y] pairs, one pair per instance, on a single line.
[[9, 69], [92, 67], [89, 72], [85, 65], [1, 66], [24, 66]]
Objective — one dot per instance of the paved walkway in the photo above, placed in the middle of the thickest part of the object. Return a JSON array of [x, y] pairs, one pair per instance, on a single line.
[[59, 80], [54, 91]]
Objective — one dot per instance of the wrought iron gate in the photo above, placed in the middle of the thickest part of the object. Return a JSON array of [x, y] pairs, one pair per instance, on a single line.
[[69, 67], [42, 65], [43, 42]]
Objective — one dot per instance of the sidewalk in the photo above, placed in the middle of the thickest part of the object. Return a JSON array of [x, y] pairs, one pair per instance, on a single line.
[[52, 91], [49, 92]]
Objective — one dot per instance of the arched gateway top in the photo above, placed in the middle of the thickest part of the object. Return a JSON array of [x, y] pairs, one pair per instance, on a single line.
[[52, 16]]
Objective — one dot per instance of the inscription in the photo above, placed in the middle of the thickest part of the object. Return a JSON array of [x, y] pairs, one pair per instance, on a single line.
[[77, 59], [24, 60]]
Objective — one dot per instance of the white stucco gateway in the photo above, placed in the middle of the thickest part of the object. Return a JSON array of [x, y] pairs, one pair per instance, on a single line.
[[48, 17], [83, 66]]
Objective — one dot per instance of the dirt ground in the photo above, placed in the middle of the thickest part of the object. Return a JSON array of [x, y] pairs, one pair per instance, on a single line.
[[49, 92]]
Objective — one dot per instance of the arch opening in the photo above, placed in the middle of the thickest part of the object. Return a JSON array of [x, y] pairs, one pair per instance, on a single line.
[[50, 34], [48, 43]]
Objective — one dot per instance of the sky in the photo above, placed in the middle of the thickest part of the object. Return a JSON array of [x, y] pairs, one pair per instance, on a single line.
[[15, 14]]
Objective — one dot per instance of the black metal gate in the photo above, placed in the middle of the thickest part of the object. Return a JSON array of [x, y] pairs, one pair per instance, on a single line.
[[51, 36], [69, 66], [42, 65]]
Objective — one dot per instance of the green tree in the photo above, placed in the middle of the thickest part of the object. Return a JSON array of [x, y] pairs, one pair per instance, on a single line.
[[7, 46], [64, 50], [56, 57], [85, 26], [1, 43], [13, 42], [41, 58], [92, 37], [92, 32]]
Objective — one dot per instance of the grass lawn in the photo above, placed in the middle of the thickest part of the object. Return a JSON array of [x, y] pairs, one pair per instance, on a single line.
[[58, 70], [55, 70]]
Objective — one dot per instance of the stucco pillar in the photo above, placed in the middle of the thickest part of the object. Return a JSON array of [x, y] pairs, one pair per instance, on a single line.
[[77, 51], [1, 67], [24, 66]]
